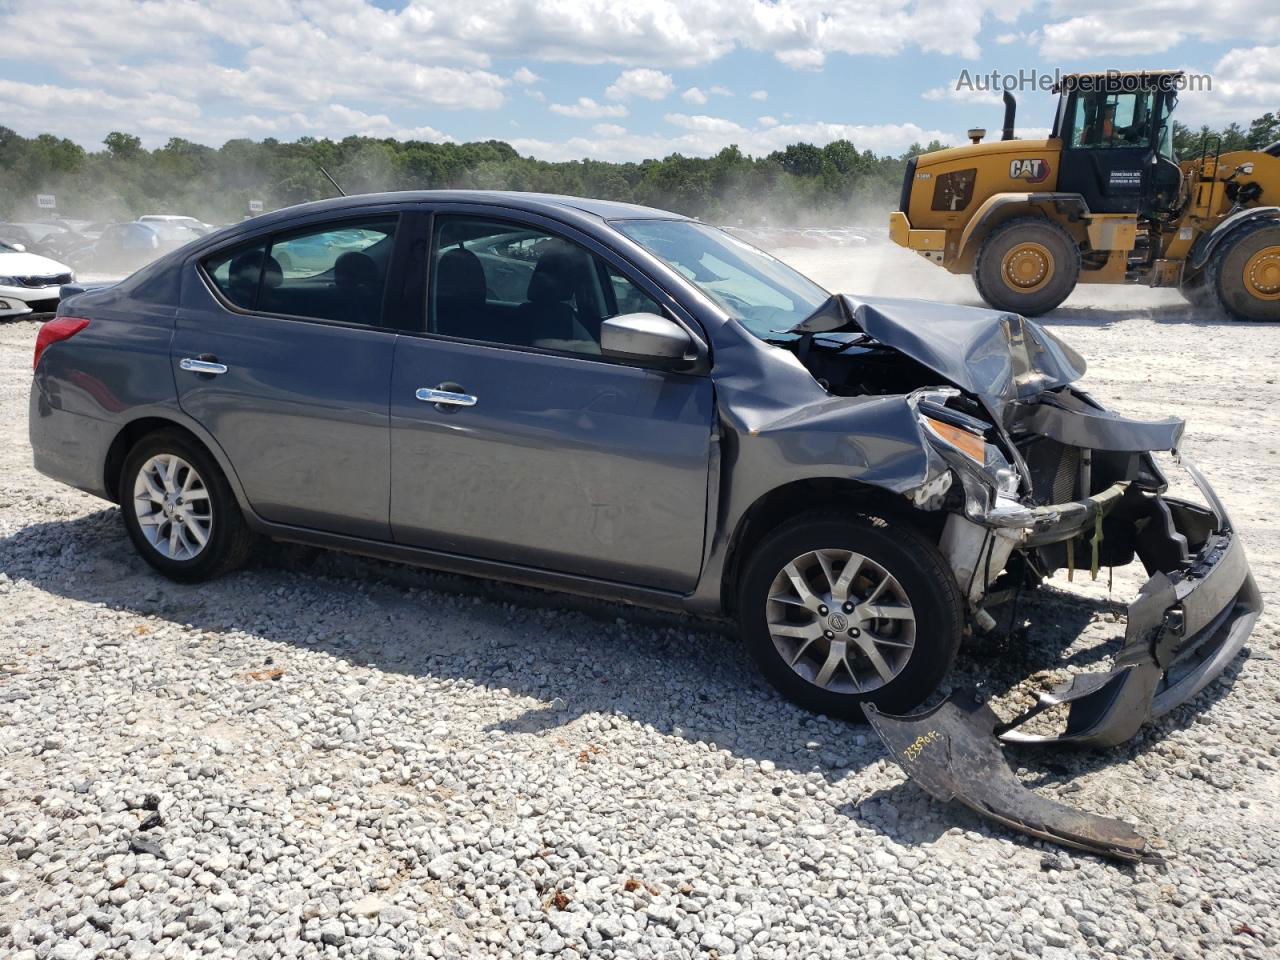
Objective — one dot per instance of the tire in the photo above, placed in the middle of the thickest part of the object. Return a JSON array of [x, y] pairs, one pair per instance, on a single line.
[[1046, 245], [921, 581], [1244, 272], [208, 508], [1196, 292]]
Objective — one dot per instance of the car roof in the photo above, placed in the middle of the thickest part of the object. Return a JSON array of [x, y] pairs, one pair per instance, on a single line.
[[511, 199]]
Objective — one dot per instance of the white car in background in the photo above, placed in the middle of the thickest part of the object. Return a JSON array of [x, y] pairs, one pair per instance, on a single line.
[[29, 283]]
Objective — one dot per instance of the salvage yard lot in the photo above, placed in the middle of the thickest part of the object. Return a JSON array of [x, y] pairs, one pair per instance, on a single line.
[[329, 756]]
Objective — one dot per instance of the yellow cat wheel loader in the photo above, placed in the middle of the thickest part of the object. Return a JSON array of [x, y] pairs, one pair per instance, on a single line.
[[1102, 200]]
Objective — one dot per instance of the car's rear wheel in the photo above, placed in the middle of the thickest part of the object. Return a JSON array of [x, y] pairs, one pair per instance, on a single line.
[[839, 611], [180, 511]]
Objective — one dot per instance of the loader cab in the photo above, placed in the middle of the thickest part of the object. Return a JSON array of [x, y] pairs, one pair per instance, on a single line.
[[1117, 137]]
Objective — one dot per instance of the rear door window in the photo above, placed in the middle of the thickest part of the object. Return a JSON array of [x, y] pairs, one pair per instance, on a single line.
[[334, 271]]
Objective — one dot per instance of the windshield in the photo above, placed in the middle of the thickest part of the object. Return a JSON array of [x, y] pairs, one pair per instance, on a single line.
[[761, 292]]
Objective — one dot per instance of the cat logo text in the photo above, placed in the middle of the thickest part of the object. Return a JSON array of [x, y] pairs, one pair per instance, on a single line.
[[1032, 171]]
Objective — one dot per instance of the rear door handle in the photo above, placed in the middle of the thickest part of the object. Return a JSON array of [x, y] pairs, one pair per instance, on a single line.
[[445, 398], [202, 365]]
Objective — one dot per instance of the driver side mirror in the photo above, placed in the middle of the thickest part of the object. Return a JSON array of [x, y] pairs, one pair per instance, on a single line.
[[18, 247], [646, 338]]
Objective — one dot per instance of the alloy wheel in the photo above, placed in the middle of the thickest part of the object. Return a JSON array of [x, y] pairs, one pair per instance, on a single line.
[[173, 507], [841, 621]]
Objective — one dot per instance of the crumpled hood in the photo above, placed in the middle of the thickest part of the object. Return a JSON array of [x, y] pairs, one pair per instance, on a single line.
[[1001, 357]]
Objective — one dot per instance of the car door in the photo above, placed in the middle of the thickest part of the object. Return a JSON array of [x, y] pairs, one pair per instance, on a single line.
[[289, 371], [544, 453]]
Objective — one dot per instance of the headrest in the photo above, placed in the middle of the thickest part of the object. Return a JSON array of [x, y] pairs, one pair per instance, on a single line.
[[460, 276], [355, 269], [243, 272], [553, 277], [272, 275]]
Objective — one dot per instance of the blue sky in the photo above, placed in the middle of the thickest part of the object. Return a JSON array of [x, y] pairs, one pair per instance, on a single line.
[[572, 78]]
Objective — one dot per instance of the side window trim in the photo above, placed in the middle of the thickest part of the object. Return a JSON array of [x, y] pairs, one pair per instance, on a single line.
[[267, 239], [671, 308]]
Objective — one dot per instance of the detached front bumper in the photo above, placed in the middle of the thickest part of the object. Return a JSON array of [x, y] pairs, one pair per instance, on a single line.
[[1186, 625]]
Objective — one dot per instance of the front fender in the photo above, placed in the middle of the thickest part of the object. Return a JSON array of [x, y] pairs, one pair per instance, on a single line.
[[1203, 248]]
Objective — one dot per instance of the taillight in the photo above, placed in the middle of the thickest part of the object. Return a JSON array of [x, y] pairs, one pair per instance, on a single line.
[[59, 328]]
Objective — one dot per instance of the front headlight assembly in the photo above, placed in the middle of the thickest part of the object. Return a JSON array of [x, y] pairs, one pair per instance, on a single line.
[[990, 483]]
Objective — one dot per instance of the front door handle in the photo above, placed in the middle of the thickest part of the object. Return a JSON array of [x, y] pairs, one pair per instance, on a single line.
[[446, 395], [203, 364]]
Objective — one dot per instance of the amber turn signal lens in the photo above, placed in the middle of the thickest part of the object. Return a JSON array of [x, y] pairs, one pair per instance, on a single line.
[[970, 444]]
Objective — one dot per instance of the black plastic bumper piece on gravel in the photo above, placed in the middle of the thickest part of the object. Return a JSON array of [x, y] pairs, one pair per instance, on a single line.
[[1183, 629], [952, 752]]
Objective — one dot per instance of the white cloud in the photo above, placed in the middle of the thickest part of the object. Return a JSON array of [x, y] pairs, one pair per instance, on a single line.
[[88, 115], [704, 123], [211, 69], [767, 121], [609, 130], [1090, 37], [1095, 28], [641, 82], [1246, 84], [588, 109]]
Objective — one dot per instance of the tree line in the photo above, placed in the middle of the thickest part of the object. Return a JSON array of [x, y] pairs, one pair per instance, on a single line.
[[124, 179], [803, 183]]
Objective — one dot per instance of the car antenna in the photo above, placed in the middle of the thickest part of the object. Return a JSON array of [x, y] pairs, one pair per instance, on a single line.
[[329, 177]]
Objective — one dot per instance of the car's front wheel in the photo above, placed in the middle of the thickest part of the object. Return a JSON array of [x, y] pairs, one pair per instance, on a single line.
[[839, 611], [180, 511]]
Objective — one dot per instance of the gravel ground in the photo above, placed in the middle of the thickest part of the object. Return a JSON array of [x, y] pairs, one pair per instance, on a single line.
[[329, 756]]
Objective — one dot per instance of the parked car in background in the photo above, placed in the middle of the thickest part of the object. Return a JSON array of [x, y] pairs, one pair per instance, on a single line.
[[191, 223], [45, 239], [29, 283], [124, 247]]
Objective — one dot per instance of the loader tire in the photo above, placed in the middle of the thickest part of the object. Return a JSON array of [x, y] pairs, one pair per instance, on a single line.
[[1027, 266], [1244, 272], [1197, 293]]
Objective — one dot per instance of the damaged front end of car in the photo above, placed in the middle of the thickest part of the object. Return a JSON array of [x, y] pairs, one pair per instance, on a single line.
[[1031, 468]]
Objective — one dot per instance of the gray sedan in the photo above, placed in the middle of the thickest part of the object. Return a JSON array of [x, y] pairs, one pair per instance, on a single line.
[[618, 401]]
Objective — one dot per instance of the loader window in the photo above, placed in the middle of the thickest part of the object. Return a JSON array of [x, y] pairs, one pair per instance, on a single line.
[[1164, 137], [1109, 120]]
